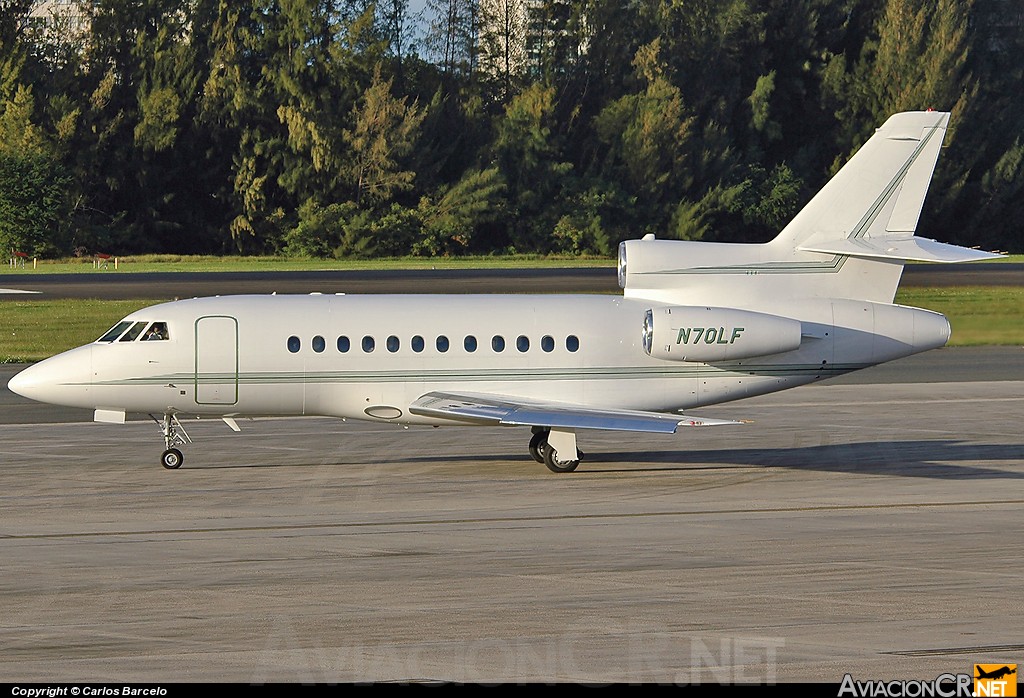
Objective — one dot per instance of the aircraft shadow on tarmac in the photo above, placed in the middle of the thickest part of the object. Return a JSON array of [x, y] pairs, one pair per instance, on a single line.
[[925, 459]]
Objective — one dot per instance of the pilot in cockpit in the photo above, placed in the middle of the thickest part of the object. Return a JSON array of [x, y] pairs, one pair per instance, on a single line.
[[156, 332]]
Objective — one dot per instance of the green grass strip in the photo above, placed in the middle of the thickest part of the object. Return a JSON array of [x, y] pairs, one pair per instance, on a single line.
[[175, 263], [31, 330], [205, 263]]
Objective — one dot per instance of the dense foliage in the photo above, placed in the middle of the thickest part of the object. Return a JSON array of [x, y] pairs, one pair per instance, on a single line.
[[342, 127]]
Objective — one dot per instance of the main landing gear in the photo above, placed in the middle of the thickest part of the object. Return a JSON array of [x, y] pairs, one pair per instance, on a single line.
[[546, 444], [174, 435]]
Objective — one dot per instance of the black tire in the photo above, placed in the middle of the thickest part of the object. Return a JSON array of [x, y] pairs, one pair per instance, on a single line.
[[555, 465], [172, 459], [538, 443]]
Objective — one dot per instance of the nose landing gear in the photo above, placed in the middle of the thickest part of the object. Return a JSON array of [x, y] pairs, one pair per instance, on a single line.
[[174, 435]]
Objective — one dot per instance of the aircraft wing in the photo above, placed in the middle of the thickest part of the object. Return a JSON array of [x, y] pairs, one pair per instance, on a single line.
[[509, 411]]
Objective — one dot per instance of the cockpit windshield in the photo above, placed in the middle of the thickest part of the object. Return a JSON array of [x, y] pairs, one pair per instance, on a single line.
[[128, 331], [115, 331], [132, 334]]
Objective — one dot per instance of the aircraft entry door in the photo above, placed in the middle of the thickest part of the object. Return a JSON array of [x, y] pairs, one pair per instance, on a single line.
[[216, 380]]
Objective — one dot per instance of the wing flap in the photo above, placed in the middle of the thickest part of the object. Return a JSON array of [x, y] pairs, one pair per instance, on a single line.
[[508, 411]]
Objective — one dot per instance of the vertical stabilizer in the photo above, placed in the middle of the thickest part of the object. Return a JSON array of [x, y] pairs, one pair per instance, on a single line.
[[880, 191]]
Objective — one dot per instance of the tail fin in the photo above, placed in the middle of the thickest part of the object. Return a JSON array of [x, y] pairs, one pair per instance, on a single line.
[[850, 241], [879, 192], [872, 205]]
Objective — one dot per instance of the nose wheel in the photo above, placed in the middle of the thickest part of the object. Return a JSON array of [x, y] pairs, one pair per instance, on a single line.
[[172, 459], [174, 435]]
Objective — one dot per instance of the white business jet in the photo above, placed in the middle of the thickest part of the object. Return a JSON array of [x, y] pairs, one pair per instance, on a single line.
[[698, 323]]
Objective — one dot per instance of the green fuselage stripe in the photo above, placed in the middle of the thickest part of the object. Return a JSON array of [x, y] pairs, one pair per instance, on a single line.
[[495, 375]]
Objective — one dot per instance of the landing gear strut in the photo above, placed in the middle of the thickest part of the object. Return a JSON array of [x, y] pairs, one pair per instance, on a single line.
[[544, 451], [174, 435]]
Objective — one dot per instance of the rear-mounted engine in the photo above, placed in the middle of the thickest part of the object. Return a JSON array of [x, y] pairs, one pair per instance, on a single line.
[[689, 333]]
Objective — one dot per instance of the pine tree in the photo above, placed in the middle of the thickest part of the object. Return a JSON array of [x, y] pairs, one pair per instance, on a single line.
[[13, 15], [33, 183], [383, 135], [503, 25]]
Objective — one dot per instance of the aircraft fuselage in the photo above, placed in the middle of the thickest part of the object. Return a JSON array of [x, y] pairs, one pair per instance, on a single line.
[[370, 357]]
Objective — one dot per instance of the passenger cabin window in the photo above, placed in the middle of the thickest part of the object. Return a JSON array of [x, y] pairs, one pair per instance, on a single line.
[[547, 343], [319, 344], [523, 343], [417, 344], [115, 331], [393, 344], [572, 343], [442, 343], [368, 344], [344, 344], [133, 334], [294, 344], [498, 343], [157, 332], [469, 343]]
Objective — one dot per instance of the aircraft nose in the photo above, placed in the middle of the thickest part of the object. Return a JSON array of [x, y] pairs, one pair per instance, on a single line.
[[55, 379], [25, 382]]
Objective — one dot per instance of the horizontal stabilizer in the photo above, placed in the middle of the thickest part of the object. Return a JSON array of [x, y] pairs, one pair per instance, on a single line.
[[902, 248], [508, 411]]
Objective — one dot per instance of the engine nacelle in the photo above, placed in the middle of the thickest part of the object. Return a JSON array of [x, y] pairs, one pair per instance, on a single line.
[[690, 333]]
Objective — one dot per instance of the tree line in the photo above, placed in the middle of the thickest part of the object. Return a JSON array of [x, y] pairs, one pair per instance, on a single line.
[[352, 128]]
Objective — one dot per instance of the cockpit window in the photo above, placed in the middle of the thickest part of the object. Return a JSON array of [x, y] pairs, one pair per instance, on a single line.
[[134, 332], [115, 331], [156, 332]]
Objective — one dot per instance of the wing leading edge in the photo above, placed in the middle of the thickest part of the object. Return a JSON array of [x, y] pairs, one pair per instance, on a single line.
[[508, 411]]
